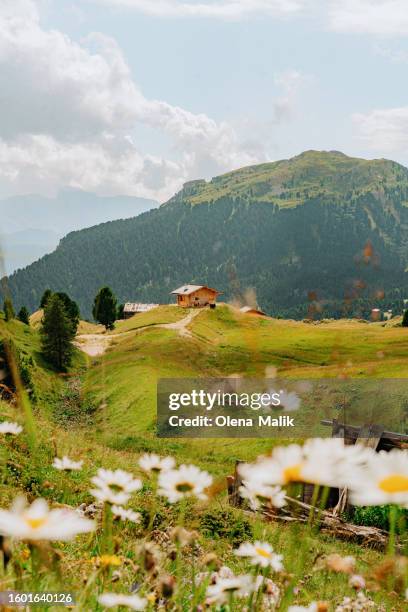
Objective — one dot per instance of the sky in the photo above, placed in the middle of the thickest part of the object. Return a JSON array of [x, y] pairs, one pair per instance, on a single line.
[[136, 97]]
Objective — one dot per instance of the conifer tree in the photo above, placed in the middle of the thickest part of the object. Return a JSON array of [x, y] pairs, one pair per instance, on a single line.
[[45, 297], [24, 315], [105, 308], [57, 333], [405, 319], [8, 309]]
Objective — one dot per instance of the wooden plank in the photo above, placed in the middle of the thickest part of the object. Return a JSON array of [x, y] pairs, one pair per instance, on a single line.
[[352, 430], [235, 484], [369, 437]]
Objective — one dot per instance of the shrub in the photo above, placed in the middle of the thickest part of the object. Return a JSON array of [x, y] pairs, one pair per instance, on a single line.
[[226, 524], [377, 516]]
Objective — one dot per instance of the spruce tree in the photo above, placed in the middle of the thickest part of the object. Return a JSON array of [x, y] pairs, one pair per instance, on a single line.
[[405, 319], [57, 333], [8, 309], [105, 308], [45, 297], [24, 315], [71, 308]]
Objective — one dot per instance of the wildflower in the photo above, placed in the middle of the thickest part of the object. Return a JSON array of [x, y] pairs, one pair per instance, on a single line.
[[337, 563], [112, 600], [183, 536], [272, 594], [66, 464], [126, 515], [361, 602], [8, 427], [320, 461], [383, 481], [115, 487], [109, 561], [357, 582], [225, 588], [150, 462], [187, 481], [259, 494], [261, 554], [150, 555], [167, 586], [38, 522], [315, 606]]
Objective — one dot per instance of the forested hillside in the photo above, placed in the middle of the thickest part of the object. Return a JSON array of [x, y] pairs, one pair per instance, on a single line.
[[321, 232]]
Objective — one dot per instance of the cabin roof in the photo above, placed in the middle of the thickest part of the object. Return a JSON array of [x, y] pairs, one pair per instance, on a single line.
[[250, 309], [138, 307], [189, 289]]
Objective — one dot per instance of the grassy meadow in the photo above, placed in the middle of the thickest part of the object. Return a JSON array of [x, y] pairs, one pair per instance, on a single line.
[[102, 412]]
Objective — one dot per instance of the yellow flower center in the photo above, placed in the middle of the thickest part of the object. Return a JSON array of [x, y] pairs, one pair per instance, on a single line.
[[184, 487], [35, 523], [293, 473], [394, 483], [107, 560], [263, 553]]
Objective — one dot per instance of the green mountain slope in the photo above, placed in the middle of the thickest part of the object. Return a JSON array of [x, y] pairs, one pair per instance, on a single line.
[[321, 230]]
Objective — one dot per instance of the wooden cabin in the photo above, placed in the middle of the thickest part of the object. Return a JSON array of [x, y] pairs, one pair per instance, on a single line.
[[196, 296], [133, 308], [256, 312]]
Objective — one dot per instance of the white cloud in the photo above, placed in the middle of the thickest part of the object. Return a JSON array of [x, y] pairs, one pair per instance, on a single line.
[[381, 17], [384, 130], [69, 110], [222, 9], [291, 82]]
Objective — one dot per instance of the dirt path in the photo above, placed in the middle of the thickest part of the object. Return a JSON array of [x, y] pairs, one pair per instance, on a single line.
[[182, 325], [95, 345]]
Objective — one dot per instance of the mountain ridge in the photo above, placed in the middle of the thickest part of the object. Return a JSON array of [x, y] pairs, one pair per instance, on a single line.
[[296, 232]]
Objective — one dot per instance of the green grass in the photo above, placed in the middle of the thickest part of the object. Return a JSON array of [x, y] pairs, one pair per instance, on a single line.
[[121, 387], [225, 342]]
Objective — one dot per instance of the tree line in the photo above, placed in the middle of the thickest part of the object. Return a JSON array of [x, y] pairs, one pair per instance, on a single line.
[[60, 321]]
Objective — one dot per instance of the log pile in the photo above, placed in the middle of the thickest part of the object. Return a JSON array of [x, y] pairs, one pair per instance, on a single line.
[[325, 521]]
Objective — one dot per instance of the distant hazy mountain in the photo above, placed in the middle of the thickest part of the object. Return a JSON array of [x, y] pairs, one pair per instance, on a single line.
[[321, 231], [19, 249], [32, 225]]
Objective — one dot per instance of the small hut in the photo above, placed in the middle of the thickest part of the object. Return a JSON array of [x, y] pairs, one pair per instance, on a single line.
[[196, 296], [256, 312], [133, 308]]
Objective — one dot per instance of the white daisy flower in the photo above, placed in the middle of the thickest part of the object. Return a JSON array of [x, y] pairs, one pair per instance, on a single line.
[[259, 494], [261, 554], [339, 459], [112, 600], [66, 464], [38, 522], [285, 465], [187, 481], [126, 515], [383, 481], [225, 588], [320, 461], [8, 427], [114, 487], [150, 462]]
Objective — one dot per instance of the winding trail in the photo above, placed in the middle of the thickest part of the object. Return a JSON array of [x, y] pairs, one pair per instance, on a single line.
[[96, 345]]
